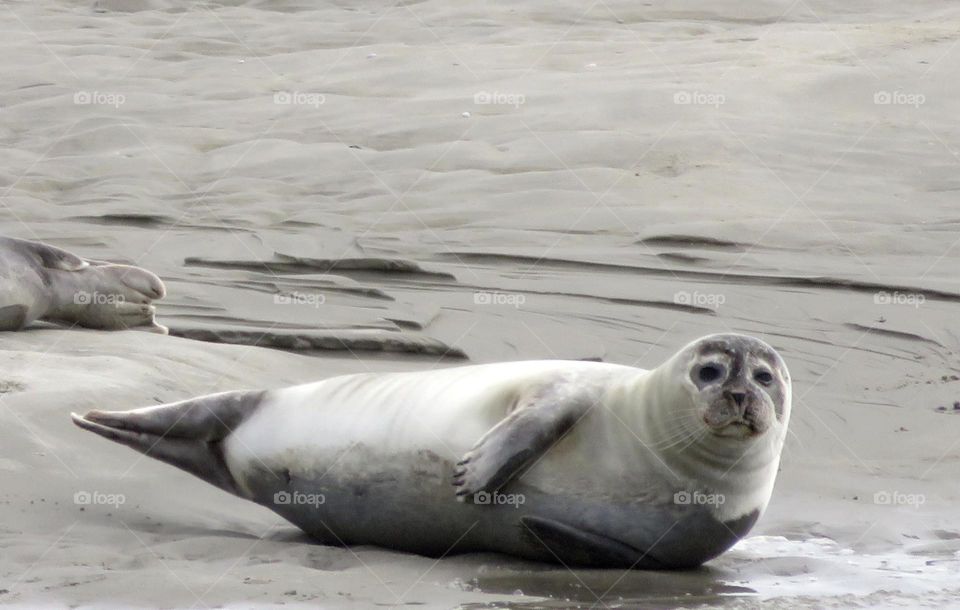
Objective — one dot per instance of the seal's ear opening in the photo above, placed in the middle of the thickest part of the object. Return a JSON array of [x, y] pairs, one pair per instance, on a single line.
[[186, 434]]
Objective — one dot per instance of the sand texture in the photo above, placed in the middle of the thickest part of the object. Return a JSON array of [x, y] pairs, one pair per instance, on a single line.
[[333, 187]]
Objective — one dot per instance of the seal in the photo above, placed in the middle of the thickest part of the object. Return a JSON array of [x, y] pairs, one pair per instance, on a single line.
[[573, 462], [42, 282]]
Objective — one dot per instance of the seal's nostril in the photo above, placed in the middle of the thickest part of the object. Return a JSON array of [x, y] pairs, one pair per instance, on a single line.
[[738, 397]]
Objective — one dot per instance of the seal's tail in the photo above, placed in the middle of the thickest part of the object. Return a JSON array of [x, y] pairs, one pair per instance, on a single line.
[[185, 434]]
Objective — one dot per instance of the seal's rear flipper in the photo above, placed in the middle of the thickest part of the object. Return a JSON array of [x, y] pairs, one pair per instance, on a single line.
[[577, 547], [185, 434]]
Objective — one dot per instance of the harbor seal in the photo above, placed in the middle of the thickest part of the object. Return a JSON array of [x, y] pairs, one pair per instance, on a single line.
[[42, 282], [581, 463]]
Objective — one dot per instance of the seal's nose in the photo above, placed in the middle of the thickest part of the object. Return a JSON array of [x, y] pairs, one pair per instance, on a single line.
[[736, 397]]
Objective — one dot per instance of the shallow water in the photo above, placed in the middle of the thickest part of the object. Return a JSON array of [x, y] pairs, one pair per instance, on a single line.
[[306, 179]]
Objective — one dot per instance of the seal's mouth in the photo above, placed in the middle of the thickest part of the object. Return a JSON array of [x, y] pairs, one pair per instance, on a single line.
[[735, 428]]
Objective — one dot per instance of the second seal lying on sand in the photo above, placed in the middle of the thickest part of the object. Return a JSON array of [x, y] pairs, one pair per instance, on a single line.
[[41, 282], [583, 463]]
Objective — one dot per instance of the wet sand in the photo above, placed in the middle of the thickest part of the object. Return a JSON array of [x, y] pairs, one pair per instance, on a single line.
[[375, 187]]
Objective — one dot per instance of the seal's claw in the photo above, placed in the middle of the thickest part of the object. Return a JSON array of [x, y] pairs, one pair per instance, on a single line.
[[475, 472]]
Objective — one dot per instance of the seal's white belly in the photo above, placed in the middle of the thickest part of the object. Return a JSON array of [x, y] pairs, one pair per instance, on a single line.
[[315, 427]]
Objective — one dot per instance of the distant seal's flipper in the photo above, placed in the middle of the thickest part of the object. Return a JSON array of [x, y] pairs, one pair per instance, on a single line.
[[52, 257], [185, 434]]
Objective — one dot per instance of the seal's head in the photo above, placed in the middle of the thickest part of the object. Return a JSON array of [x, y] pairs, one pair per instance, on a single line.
[[739, 385]]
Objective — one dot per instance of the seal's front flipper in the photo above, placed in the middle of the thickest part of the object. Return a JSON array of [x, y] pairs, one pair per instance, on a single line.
[[13, 317], [576, 547], [185, 434], [519, 440], [51, 257]]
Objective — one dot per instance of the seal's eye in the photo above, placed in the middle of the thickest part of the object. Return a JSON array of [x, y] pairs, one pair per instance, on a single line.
[[763, 377], [710, 372]]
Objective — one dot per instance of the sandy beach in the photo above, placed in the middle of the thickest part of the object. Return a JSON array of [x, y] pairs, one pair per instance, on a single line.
[[329, 188]]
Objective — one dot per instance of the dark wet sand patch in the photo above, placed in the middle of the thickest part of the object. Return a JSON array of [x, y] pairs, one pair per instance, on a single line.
[[341, 340], [609, 588], [817, 282], [897, 334], [131, 220], [283, 263], [693, 241]]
